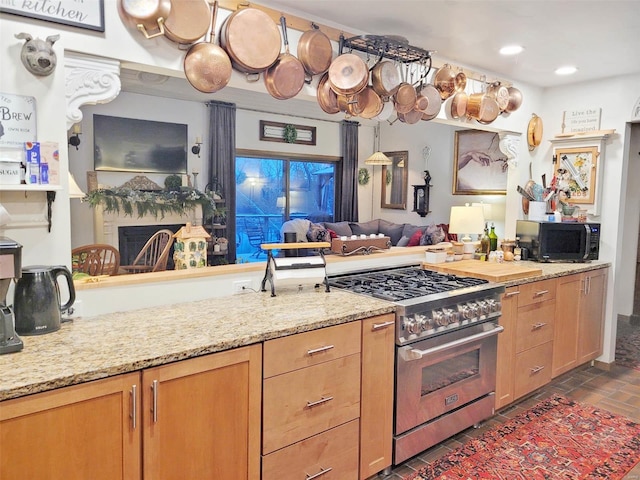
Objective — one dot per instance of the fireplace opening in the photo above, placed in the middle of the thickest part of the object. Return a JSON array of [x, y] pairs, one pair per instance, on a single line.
[[131, 239]]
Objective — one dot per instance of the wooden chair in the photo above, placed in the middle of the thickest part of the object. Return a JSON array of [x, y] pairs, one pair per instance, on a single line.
[[255, 234], [96, 259], [154, 254]]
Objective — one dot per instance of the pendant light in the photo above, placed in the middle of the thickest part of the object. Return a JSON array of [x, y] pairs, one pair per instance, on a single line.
[[377, 157]]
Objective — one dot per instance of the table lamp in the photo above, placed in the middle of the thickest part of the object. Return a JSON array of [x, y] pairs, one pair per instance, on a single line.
[[466, 220]]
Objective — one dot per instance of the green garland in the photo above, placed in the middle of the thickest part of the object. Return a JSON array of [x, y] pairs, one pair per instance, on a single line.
[[289, 134], [151, 203]]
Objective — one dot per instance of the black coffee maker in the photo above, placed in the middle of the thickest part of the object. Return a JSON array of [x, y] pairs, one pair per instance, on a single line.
[[10, 268]]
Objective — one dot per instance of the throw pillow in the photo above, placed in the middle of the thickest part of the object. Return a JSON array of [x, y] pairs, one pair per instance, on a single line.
[[432, 234], [341, 228], [408, 230], [414, 241], [317, 233], [391, 230], [403, 242], [366, 228], [332, 234]]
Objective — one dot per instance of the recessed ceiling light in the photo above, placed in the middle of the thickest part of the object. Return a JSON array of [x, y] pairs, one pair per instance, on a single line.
[[567, 70], [511, 50]]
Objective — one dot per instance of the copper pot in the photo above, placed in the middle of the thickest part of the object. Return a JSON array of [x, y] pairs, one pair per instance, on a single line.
[[206, 65], [435, 101], [370, 102], [327, 98], [386, 112], [385, 78], [285, 78], [458, 106], [500, 93], [482, 108], [315, 51], [410, 117], [147, 16], [348, 74], [255, 52], [350, 104], [515, 100], [188, 21], [445, 81], [405, 98]]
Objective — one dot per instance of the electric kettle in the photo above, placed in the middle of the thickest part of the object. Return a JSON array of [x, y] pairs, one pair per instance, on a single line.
[[36, 300]]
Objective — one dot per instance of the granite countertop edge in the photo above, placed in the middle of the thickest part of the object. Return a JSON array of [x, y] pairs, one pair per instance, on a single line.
[[99, 347]]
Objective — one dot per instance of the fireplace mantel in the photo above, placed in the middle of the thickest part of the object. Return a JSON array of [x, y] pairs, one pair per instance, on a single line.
[[106, 224]]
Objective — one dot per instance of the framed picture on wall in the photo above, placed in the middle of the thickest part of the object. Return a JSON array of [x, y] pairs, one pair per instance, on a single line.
[[479, 167], [83, 14], [575, 171]]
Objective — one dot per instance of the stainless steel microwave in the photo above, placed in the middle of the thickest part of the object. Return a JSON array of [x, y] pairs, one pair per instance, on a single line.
[[559, 242]]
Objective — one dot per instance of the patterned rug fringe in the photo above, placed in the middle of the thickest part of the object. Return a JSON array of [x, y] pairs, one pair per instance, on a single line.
[[556, 439]]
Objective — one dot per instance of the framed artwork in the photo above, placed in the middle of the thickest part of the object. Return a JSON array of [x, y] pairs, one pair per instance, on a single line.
[[287, 133], [395, 181], [479, 167], [89, 14], [575, 171]]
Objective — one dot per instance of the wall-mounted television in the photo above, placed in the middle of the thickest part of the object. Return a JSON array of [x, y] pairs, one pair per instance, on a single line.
[[133, 145]]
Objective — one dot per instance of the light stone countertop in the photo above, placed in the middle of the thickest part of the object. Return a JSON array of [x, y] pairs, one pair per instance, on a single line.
[[106, 345], [102, 346]]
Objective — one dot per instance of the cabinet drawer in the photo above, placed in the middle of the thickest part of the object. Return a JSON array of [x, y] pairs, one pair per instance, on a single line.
[[537, 292], [310, 348], [334, 452], [533, 369], [534, 325], [300, 404]]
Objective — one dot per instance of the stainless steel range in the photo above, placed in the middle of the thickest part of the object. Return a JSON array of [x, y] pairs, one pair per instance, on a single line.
[[446, 342]]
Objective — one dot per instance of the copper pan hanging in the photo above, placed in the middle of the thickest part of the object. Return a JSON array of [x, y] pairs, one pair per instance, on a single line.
[[348, 74], [371, 103], [385, 78], [315, 51], [285, 78], [188, 21], [327, 98], [206, 65], [148, 16]]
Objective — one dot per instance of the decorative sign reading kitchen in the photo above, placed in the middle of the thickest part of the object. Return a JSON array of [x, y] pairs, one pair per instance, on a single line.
[[585, 120], [17, 120], [77, 13]]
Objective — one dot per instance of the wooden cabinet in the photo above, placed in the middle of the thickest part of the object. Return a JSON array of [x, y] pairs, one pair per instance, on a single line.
[[201, 417], [198, 418], [525, 346], [376, 402], [579, 320], [311, 387], [84, 431], [505, 368]]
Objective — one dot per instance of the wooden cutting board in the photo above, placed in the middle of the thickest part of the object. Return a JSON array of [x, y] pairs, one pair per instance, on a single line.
[[494, 272]]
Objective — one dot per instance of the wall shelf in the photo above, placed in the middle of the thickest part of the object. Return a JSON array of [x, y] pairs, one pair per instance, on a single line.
[[29, 188]]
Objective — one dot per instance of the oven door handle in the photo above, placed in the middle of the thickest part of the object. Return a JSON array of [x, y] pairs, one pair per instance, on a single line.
[[415, 354]]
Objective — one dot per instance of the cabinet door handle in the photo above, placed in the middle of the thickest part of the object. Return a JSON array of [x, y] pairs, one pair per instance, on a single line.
[[154, 387], [535, 370], [321, 472], [589, 287], [512, 294], [537, 326], [540, 293], [134, 406], [318, 350], [378, 326], [319, 402]]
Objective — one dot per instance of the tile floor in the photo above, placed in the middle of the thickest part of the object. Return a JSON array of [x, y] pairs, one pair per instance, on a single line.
[[617, 390]]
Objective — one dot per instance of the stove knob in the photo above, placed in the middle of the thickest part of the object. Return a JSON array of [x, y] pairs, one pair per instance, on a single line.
[[411, 326]]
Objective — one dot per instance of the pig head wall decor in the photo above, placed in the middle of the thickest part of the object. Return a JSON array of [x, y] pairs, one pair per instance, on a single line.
[[37, 55]]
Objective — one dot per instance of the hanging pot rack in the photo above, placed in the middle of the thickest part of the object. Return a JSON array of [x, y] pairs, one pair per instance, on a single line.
[[393, 47]]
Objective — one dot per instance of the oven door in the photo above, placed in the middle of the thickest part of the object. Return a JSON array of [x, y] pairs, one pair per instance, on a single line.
[[443, 373]]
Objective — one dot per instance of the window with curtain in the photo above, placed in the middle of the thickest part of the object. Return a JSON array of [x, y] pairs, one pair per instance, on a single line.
[[271, 189]]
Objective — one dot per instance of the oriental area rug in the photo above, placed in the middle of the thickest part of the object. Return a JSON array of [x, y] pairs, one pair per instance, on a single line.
[[628, 347], [556, 439]]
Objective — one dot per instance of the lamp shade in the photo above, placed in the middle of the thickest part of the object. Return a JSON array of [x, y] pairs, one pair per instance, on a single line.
[[467, 219], [74, 189], [378, 158]]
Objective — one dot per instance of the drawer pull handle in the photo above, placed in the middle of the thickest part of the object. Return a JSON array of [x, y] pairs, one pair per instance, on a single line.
[[319, 402], [537, 326], [134, 407], [540, 293], [378, 326], [512, 294], [535, 370], [321, 472], [318, 350], [154, 387]]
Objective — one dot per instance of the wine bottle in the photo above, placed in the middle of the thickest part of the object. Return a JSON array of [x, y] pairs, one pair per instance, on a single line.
[[493, 239]]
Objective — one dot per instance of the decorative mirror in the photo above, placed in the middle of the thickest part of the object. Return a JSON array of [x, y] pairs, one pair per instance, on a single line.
[[395, 181]]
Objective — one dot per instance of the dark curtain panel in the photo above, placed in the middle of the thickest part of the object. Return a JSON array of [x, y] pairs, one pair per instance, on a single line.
[[222, 153], [347, 175]]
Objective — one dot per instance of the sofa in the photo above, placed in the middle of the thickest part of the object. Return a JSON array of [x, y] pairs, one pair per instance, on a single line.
[[400, 234]]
